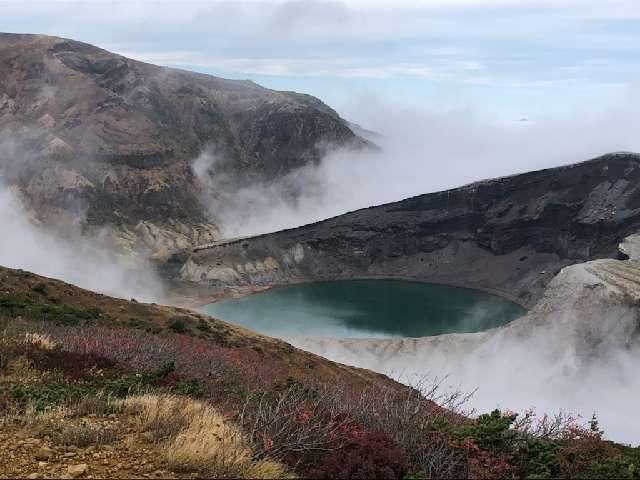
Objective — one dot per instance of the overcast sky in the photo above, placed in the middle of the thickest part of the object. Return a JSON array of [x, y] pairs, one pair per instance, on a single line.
[[513, 58]]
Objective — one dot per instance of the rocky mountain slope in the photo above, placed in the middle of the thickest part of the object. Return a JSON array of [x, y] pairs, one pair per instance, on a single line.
[[509, 235], [90, 134]]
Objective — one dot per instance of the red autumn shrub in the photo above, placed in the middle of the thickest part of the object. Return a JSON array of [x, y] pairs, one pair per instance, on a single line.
[[193, 357], [71, 364], [582, 450], [483, 464], [143, 351], [294, 424], [367, 455]]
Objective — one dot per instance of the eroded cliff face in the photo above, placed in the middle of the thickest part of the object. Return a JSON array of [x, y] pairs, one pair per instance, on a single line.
[[510, 235], [92, 135]]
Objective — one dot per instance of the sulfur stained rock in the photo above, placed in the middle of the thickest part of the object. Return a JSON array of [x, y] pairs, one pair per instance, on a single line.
[[77, 470], [44, 454]]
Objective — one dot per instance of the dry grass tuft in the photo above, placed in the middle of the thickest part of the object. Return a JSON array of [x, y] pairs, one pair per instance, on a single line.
[[96, 405], [61, 425], [265, 469], [84, 435], [39, 423], [57, 423], [162, 416], [197, 438], [20, 369], [39, 340]]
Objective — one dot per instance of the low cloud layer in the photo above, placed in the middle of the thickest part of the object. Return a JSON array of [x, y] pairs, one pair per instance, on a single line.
[[425, 151]]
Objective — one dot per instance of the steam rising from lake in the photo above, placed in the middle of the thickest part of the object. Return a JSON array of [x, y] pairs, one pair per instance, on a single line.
[[577, 351], [421, 151], [507, 373]]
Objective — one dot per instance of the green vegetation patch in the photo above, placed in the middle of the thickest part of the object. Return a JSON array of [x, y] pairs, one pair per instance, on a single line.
[[191, 387], [43, 396], [15, 306], [178, 325], [490, 431]]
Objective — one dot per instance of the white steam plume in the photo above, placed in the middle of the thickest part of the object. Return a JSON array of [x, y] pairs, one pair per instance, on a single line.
[[83, 261], [509, 374], [425, 151]]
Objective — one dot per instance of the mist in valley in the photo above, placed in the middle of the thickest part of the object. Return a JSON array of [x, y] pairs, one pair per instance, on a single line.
[[547, 375], [421, 151], [518, 375], [143, 144], [517, 368]]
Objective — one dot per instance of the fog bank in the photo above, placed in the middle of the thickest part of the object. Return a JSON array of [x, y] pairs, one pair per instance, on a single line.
[[509, 375], [422, 151]]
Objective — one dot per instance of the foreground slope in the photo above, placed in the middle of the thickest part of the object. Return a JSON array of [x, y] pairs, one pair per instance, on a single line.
[[509, 235], [86, 132], [94, 386], [26, 295]]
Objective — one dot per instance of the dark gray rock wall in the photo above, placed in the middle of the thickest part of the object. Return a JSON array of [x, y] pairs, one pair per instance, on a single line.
[[509, 235]]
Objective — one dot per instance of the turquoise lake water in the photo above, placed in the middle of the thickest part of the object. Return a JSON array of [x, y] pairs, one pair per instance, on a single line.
[[366, 309]]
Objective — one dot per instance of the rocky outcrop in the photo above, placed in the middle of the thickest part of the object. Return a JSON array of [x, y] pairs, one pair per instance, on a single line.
[[509, 236], [97, 136], [158, 242]]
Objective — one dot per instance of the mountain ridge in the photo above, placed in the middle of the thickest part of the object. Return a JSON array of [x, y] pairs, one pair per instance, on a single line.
[[110, 140], [526, 227]]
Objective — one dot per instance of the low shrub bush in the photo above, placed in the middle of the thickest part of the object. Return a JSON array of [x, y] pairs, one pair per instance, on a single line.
[[177, 325], [14, 306], [366, 455], [83, 435]]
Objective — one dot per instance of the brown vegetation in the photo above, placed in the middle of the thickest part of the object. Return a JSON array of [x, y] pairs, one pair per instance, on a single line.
[[141, 429]]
